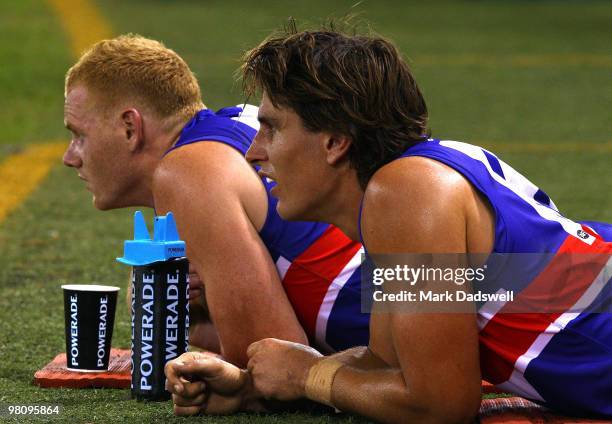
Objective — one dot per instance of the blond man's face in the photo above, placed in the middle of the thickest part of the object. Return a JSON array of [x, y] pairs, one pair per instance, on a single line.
[[97, 149]]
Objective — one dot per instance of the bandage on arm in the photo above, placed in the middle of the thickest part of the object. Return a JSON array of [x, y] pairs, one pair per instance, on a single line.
[[321, 379]]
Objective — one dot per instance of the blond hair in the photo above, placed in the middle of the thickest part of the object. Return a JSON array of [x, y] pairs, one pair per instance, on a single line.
[[144, 70]]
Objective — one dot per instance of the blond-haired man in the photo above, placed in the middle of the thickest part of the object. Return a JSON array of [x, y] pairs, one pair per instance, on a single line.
[[141, 136]]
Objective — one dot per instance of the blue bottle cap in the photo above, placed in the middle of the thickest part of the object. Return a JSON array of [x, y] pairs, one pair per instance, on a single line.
[[164, 246]]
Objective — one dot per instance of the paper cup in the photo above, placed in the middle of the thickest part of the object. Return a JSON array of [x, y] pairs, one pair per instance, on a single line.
[[89, 312]]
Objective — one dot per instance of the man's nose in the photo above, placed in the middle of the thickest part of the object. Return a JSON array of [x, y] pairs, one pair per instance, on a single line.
[[256, 152], [71, 157]]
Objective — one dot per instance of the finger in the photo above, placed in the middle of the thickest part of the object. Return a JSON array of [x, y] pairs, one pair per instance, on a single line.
[[173, 376], [193, 274], [251, 364], [185, 411], [255, 347], [185, 402], [205, 367], [169, 386], [220, 376], [192, 356], [195, 282], [191, 390]]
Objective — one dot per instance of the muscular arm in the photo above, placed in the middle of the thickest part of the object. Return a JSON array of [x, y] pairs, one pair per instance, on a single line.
[[216, 197], [433, 373], [436, 382]]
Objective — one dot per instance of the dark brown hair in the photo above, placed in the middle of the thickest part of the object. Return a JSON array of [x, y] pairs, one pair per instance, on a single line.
[[353, 85]]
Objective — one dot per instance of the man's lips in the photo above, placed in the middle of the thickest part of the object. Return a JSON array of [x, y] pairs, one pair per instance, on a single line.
[[85, 180], [269, 178]]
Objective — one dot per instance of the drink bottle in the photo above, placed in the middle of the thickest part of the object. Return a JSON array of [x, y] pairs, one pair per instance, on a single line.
[[160, 303]]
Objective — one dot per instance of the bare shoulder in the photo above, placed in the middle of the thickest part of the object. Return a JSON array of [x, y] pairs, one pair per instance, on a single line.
[[416, 204], [199, 162], [208, 173]]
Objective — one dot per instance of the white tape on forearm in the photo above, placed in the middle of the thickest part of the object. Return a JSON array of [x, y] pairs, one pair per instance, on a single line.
[[320, 380]]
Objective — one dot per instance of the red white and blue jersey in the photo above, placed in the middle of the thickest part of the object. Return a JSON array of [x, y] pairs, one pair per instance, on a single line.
[[562, 359], [319, 266]]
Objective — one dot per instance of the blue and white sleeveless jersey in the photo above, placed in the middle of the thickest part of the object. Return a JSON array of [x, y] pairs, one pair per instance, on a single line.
[[319, 266], [563, 360]]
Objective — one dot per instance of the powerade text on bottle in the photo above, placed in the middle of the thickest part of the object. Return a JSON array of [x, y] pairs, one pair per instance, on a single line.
[[160, 303]]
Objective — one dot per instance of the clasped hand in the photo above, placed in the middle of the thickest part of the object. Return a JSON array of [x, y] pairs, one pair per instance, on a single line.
[[201, 382]]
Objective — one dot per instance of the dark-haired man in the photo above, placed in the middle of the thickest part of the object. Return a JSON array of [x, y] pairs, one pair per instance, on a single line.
[[344, 135], [141, 136]]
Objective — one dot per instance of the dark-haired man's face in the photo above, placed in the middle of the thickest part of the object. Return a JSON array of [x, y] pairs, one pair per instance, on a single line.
[[294, 158]]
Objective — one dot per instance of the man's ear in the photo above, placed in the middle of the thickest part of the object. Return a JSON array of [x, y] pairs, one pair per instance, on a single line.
[[337, 147], [134, 129]]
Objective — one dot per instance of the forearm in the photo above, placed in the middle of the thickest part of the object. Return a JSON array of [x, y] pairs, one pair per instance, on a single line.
[[360, 357], [253, 401], [250, 318], [380, 394], [364, 384], [246, 305], [203, 335]]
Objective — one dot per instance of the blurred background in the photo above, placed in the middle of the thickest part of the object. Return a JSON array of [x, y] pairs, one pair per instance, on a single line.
[[530, 80]]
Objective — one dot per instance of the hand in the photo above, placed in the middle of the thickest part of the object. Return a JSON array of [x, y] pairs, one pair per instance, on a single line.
[[279, 368], [196, 286], [202, 382], [202, 332]]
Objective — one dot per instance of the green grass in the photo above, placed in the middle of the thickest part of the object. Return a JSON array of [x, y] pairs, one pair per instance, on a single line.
[[34, 58], [463, 54]]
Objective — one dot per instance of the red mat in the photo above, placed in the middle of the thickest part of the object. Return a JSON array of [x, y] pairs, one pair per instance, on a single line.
[[118, 376], [516, 410], [508, 410]]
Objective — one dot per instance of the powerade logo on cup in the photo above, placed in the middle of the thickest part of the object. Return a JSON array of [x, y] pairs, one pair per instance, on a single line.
[[89, 317], [102, 330], [74, 333], [160, 303]]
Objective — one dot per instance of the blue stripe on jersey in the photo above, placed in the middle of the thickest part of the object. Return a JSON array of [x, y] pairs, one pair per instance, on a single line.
[[542, 197], [494, 162], [346, 323]]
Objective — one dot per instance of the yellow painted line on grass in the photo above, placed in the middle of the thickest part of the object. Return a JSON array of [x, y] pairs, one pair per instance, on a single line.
[[21, 173], [82, 22]]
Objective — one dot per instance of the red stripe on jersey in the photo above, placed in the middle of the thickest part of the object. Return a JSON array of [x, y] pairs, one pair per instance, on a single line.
[[509, 334], [311, 273]]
